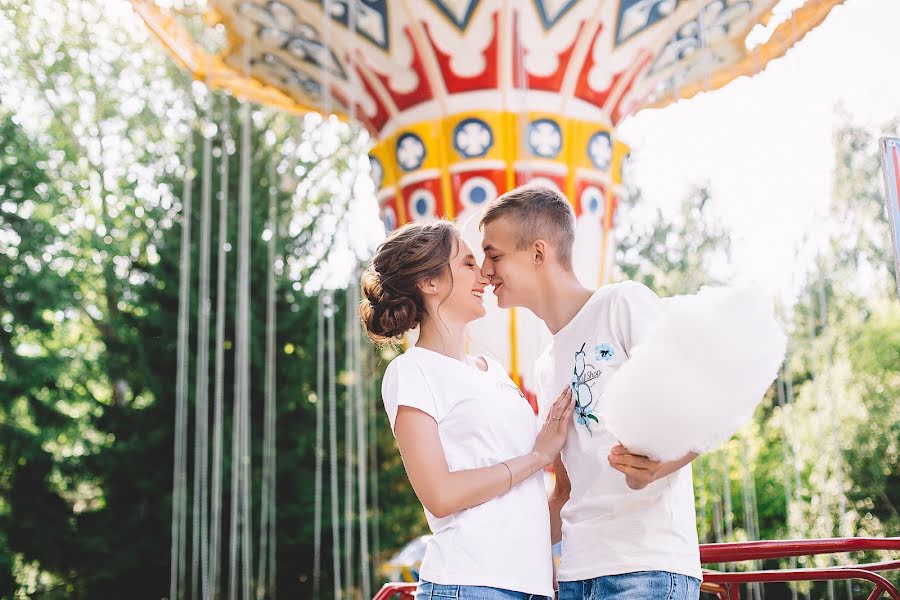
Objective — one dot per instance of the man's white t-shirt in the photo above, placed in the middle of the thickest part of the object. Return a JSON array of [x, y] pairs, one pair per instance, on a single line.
[[608, 528], [482, 419]]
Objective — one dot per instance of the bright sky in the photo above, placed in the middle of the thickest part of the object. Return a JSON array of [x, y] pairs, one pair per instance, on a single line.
[[764, 144]]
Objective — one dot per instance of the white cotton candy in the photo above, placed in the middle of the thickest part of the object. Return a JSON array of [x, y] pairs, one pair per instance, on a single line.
[[698, 375]]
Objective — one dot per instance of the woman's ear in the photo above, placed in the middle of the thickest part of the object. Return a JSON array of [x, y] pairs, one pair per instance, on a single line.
[[427, 286]]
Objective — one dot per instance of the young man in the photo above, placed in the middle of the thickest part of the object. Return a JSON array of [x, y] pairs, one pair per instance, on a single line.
[[627, 522]]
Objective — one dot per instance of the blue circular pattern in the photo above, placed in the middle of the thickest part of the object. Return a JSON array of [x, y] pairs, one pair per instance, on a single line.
[[544, 138], [472, 138], [422, 205], [410, 151], [592, 201], [476, 191], [599, 150]]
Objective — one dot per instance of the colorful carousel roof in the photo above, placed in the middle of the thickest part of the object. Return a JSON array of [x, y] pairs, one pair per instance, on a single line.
[[386, 63], [467, 99]]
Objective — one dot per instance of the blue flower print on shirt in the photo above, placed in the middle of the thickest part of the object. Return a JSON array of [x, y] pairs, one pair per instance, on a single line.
[[604, 351], [581, 387]]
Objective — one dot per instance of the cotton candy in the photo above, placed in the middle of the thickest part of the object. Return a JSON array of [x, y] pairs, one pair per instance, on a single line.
[[698, 375]]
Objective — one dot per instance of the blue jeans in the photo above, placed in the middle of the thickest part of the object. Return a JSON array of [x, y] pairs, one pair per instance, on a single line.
[[642, 585], [436, 591]]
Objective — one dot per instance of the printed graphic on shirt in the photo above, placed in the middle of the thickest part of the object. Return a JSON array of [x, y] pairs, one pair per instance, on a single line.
[[511, 388], [604, 351], [583, 376]]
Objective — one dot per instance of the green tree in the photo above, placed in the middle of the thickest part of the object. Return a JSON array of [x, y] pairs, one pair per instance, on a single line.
[[675, 254], [35, 364], [92, 516]]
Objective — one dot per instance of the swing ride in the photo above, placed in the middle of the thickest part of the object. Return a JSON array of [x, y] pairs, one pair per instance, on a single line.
[[464, 100]]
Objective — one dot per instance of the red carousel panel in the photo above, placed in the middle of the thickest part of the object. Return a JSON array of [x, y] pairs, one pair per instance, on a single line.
[[590, 198], [389, 214], [423, 200], [550, 83], [487, 79], [540, 177], [474, 189], [423, 91]]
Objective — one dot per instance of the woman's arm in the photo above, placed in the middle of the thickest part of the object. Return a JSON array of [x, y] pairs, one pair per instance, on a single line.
[[443, 492]]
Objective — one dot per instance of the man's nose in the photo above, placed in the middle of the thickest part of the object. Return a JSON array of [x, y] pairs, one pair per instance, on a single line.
[[487, 269]]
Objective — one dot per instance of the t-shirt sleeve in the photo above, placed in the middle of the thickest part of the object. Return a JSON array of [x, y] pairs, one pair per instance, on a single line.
[[635, 310], [405, 384]]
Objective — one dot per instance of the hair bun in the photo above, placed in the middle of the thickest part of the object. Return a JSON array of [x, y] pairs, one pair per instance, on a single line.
[[392, 303], [386, 315]]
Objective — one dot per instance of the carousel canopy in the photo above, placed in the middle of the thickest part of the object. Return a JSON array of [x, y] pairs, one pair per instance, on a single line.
[[467, 99], [388, 63]]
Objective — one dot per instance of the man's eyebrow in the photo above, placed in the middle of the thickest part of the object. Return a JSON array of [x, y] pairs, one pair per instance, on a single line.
[[490, 247]]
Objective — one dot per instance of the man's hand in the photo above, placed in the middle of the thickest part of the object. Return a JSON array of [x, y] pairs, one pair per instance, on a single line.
[[640, 471]]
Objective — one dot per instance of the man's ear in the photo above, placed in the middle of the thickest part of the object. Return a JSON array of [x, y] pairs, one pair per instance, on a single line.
[[539, 252]]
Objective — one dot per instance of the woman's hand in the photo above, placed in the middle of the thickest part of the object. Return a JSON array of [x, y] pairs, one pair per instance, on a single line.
[[553, 434], [444, 492]]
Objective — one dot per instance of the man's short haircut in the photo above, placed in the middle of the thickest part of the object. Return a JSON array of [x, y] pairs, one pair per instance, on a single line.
[[538, 212]]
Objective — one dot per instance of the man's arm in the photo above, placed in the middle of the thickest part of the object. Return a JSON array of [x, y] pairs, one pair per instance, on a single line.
[[640, 470], [560, 495]]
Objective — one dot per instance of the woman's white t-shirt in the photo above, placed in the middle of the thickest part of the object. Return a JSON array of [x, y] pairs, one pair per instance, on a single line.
[[482, 419]]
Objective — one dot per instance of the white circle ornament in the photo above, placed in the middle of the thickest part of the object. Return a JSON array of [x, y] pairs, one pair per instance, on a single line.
[[477, 191], [544, 138], [422, 205], [592, 201], [472, 138], [410, 152], [600, 150]]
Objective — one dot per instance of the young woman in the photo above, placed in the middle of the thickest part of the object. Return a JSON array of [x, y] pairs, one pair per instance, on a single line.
[[472, 449]]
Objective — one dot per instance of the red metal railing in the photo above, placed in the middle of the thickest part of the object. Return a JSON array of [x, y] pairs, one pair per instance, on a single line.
[[726, 585], [404, 591]]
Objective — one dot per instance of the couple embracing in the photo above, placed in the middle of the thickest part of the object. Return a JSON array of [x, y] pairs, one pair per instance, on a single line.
[[472, 449]]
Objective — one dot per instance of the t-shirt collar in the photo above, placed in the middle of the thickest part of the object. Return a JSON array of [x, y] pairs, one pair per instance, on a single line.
[[584, 308]]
